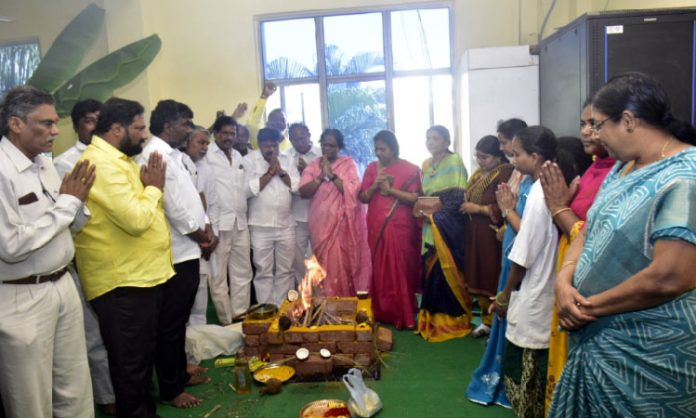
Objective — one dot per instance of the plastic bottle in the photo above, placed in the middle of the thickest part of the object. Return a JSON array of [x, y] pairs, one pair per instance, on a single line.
[[242, 376]]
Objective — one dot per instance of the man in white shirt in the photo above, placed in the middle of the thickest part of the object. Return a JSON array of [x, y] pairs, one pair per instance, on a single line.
[[233, 253], [195, 148], [84, 116], [170, 123], [272, 180], [301, 154], [44, 370]]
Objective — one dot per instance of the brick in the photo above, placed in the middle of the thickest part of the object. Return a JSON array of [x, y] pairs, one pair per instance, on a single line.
[[310, 337], [363, 359], [251, 340], [275, 349], [290, 348], [293, 337], [338, 306], [255, 327], [354, 347], [274, 337], [385, 339], [363, 334], [343, 360], [277, 357], [313, 366], [315, 347], [251, 351], [337, 336]]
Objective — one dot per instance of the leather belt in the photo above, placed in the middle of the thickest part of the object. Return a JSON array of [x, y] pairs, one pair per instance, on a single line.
[[39, 279]]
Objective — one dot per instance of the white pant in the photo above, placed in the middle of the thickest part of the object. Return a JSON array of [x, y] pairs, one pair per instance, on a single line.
[[303, 250], [199, 309], [97, 356], [44, 371], [274, 253], [233, 258]]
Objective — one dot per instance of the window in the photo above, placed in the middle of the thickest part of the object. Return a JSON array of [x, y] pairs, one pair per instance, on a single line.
[[363, 72], [17, 62]]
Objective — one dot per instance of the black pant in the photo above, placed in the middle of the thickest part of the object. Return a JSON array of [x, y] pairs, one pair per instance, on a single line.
[[128, 319], [178, 295]]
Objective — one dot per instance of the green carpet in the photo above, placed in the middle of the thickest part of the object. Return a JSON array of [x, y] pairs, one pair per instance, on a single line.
[[421, 380]]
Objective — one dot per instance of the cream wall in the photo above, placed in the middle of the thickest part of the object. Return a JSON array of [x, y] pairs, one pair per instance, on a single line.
[[210, 59]]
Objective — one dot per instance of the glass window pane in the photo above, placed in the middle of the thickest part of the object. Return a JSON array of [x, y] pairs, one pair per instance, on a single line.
[[354, 44], [443, 112], [302, 105], [17, 64], [289, 48], [412, 117], [359, 111], [421, 39]]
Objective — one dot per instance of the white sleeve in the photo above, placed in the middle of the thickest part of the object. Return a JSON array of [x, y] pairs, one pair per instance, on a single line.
[[534, 230]]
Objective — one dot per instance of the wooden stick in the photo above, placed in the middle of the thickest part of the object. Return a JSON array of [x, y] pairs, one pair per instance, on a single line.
[[308, 316], [212, 411], [318, 312]]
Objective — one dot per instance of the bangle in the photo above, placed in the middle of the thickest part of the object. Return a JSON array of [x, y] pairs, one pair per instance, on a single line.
[[569, 263], [497, 300], [559, 211]]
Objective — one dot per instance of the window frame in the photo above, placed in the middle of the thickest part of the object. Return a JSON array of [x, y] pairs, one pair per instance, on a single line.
[[388, 75]]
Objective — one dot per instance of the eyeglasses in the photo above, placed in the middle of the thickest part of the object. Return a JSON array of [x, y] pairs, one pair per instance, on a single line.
[[597, 126]]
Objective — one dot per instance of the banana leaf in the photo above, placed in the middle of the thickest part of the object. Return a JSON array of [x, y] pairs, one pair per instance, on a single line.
[[65, 55], [100, 79]]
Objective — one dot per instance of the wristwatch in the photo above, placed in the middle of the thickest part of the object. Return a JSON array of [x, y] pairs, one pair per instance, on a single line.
[[505, 213]]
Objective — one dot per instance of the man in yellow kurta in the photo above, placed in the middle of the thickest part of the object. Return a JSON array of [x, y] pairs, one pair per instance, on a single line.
[[124, 251], [276, 119]]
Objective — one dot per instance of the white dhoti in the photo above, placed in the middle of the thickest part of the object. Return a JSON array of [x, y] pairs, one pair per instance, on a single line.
[[274, 254], [233, 256]]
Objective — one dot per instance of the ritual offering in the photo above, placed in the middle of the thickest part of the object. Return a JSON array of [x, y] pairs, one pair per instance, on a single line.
[[325, 408]]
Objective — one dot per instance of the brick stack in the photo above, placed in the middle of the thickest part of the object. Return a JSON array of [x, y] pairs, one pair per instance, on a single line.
[[349, 344]]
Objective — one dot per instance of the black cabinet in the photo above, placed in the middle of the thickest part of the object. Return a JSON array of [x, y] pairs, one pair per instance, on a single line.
[[579, 58]]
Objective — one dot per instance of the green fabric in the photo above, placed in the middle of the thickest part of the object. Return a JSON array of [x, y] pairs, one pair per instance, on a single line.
[[449, 173]]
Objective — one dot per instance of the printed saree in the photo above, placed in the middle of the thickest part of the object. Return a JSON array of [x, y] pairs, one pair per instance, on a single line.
[[639, 363], [445, 311]]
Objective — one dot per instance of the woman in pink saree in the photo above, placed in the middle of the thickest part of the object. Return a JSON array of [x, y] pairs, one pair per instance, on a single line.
[[337, 227], [391, 186]]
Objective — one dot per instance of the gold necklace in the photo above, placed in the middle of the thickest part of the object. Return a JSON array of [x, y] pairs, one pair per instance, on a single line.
[[664, 148]]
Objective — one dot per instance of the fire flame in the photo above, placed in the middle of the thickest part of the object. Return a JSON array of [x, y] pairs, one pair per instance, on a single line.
[[312, 280]]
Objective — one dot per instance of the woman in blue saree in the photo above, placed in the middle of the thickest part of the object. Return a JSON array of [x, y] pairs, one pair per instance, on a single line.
[[487, 386], [627, 294]]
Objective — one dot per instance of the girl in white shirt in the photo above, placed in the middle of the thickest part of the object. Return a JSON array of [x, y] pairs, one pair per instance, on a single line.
[[527, 298]]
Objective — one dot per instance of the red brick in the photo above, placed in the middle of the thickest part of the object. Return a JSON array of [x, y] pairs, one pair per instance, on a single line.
[[290, 348], [385, 339], [337, 336], [363, 359], [314, 365], [251, 351], [251, 340], [274, 337], [277, 357], [363, 335], [310, 337], [343, 360], [354, 347], [255, 327], [340, 306], [275, 348], [315, 347], [293, 337]]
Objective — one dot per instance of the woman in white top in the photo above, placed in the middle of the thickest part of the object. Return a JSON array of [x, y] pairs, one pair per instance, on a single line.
[[527, 298]]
